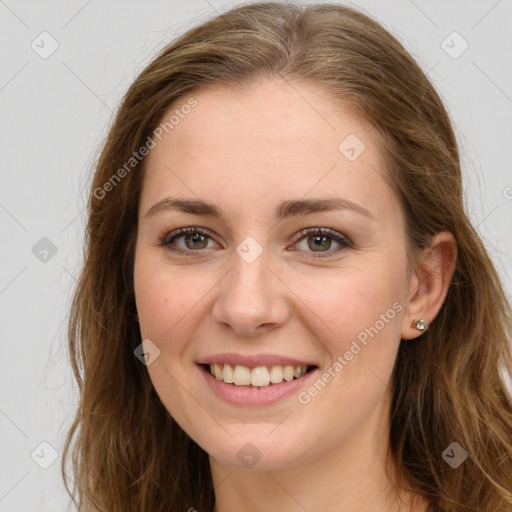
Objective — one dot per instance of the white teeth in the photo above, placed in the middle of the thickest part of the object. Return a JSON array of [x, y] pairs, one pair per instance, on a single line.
[[288, 373], [228, 374], [260, 376], [242, 376], [217, 371], [276, 374]]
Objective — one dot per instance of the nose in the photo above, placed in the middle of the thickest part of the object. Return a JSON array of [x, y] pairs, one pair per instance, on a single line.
[[251, 298]]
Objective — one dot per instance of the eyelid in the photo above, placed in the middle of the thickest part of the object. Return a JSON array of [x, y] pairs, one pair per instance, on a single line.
[[323, 231], [183, 231]]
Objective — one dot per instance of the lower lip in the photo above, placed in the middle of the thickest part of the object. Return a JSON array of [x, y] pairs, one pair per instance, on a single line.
[[245, 395]]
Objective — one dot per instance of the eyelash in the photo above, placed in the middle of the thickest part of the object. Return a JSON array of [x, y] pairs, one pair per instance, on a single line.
[[169, 238]]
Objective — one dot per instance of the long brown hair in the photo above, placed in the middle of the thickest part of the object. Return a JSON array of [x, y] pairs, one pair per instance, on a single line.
[[127, 452]]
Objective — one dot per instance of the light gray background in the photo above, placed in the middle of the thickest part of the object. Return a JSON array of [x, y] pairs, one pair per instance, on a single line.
[[55, 113]]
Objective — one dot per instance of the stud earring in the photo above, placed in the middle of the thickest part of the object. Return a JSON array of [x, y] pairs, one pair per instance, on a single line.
[[419, 324]]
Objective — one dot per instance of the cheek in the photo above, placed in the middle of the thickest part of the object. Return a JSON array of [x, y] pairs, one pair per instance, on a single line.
[[158, 303], [348, 302], [360, 317], [170, 300], [357, 318]]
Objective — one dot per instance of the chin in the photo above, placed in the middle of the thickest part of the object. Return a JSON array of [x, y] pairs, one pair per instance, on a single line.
[[257, 453]]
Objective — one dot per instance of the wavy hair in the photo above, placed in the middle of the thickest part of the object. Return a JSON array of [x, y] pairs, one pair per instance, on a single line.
[[126, 451]]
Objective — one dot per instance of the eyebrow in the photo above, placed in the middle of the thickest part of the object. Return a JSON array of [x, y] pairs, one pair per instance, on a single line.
[[284, 209]]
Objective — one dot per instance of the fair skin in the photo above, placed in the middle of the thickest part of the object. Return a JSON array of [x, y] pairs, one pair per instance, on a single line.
[[246, 151]]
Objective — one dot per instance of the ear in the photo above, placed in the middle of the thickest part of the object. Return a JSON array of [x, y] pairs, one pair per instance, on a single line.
[[429, 282]]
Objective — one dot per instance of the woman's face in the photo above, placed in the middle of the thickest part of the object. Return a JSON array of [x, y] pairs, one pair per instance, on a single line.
[[270, 275]]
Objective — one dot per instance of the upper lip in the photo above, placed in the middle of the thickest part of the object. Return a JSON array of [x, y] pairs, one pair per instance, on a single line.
[[253, 361]]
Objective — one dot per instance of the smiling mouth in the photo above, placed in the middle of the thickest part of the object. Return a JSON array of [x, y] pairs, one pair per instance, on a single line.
[[259, 376]]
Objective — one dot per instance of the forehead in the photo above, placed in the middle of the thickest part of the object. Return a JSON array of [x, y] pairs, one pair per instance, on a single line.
[[279, 114], [263, 142]]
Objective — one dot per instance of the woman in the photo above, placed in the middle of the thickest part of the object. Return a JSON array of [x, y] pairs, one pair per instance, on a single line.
[[283, 305]]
